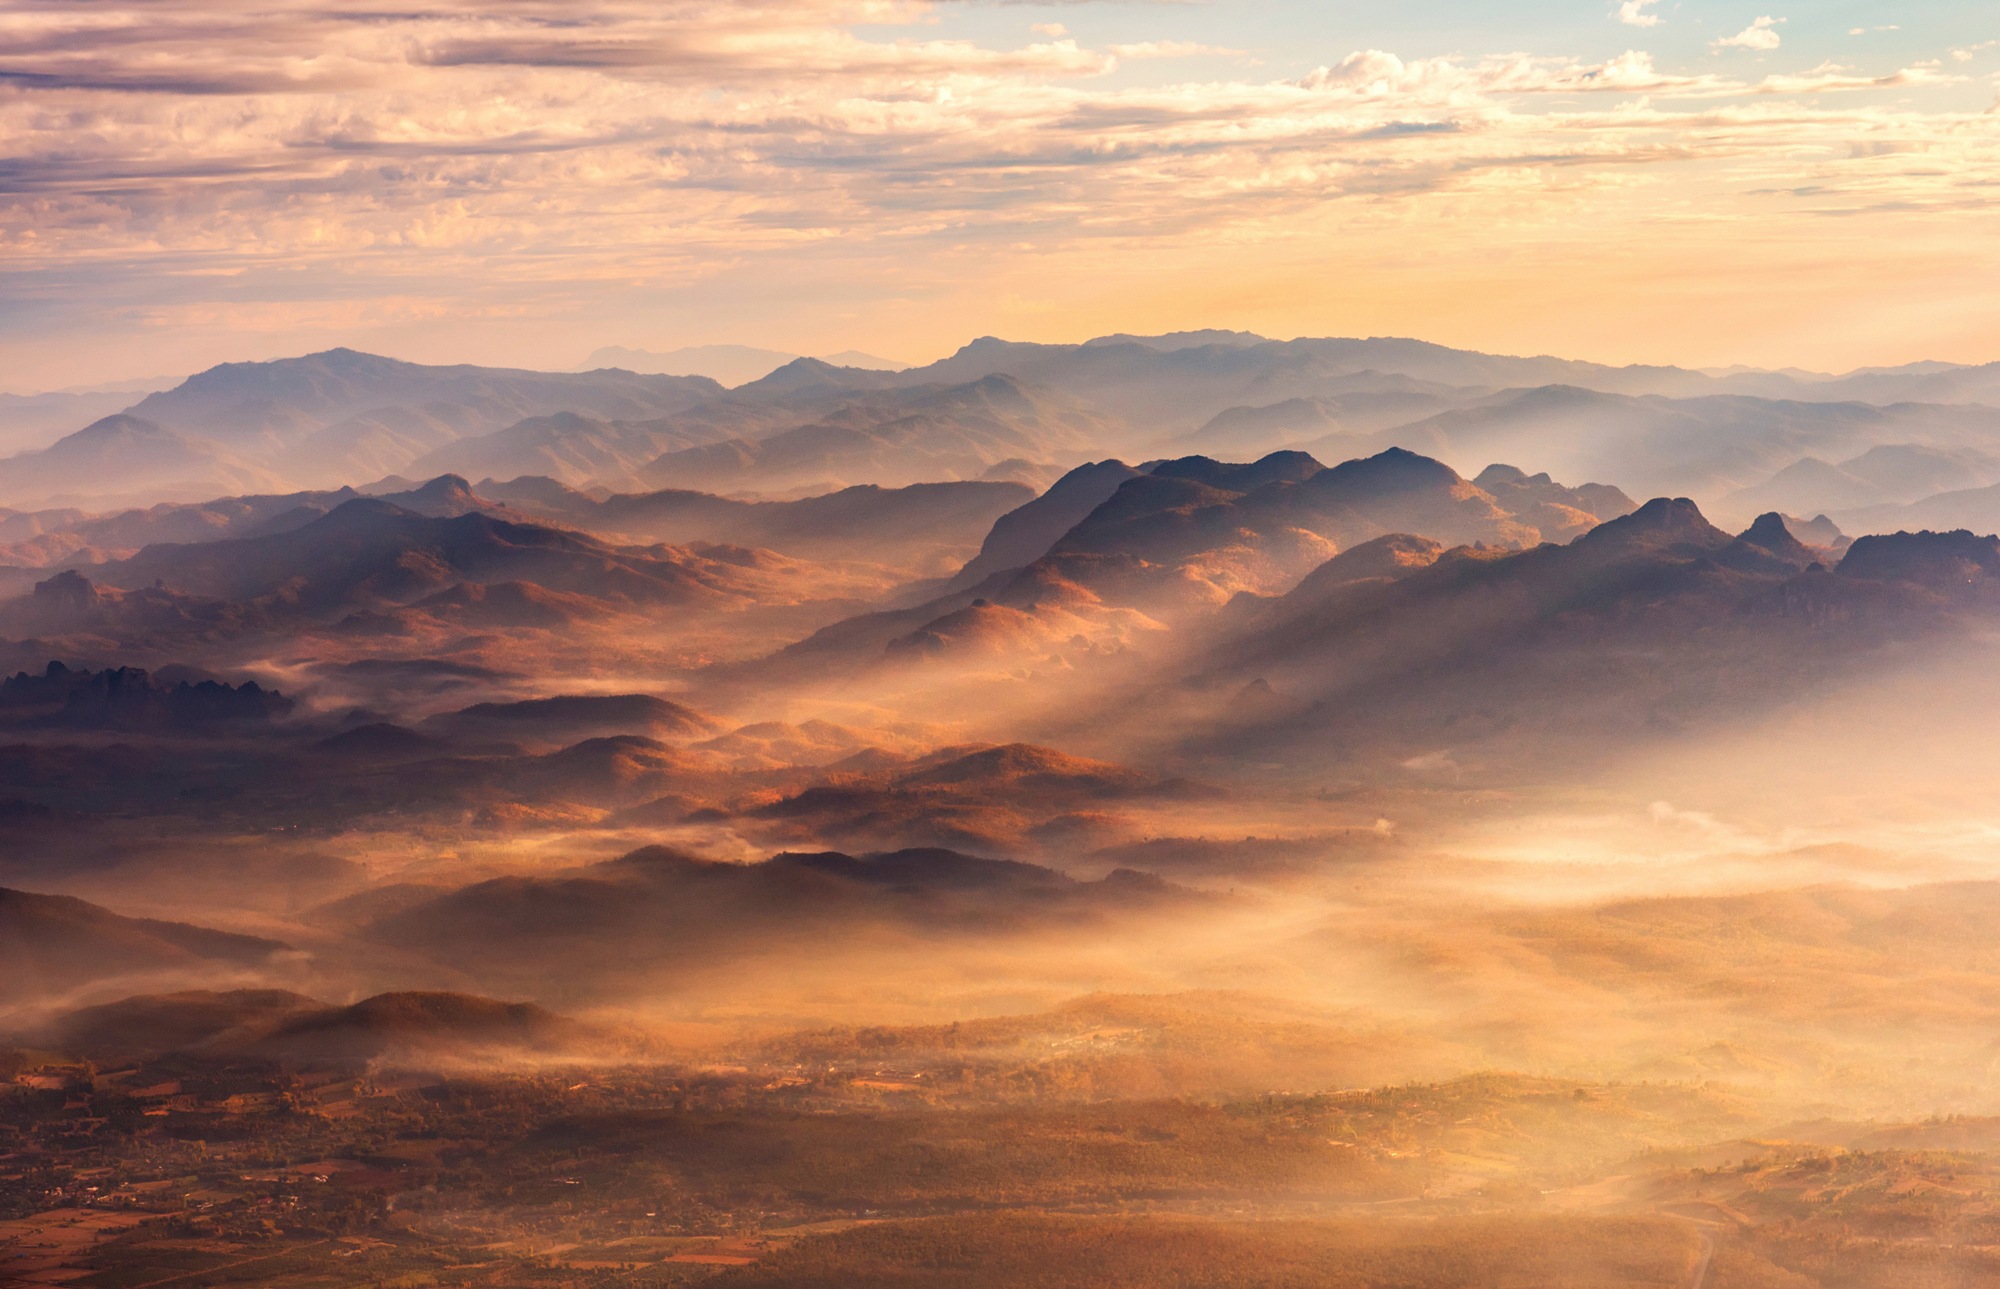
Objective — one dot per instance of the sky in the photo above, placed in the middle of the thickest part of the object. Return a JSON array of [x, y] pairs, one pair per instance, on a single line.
[[1702, 182]]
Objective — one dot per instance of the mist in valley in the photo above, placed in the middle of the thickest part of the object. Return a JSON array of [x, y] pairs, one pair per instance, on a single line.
[[1166, 845], [1366, 658]]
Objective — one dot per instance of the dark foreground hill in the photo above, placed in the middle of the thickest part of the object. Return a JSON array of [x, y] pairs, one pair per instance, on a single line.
[[569, 718], [663, 917], [272, 1023]]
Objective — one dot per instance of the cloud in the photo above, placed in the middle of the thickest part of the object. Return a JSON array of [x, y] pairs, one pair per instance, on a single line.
[[1761, 34], [1633, 13], [1173, 49], [1376, 74], [1830, 78], [163, 146]]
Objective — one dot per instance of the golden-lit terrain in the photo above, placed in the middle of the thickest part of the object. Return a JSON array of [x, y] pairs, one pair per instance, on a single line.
[[999, 644], [1177, 811], [1240, 872]]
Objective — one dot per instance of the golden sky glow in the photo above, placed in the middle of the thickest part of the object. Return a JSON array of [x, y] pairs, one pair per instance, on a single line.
[[186, 182]]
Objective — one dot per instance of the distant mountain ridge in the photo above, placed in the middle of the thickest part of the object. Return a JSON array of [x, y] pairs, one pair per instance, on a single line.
[[732, 365], [336, 417], [340, 417]]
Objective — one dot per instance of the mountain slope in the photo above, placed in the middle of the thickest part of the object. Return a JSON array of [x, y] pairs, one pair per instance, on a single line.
[[371, 554], [74, 537], [125, 455], [1706, 446], [1022, 536], [273, 404], [1180, 541], [51, 944], [567, 446], [656, 919], [1647, 624], [957, 432], [916, 524]]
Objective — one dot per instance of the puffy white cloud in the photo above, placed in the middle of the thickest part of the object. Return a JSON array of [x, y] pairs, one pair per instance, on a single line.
[[1761, 34], [1637, 13]]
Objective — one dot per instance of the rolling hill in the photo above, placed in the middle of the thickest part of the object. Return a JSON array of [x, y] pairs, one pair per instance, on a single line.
[[51, 945]]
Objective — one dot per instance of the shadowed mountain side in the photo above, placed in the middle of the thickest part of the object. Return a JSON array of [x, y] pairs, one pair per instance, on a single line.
[[1384, 559], [612, 926], [71, 536], [1022, 536], [567, 718], [778, 745], [1959, 565], [374, 775], [1283, 508], [1645, 625], [602, 773], [914, 524], [51, 944], [191, 1020], [1040, 612], [423, 1027], [373, 551], [369, 554], [128, 698], [512, 604], [412, 1028], [1179, 542], [380, 742], [997, 799]]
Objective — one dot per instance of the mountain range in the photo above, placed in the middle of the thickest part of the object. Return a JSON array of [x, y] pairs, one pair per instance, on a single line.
[[915, 526], [341, 418], [1403, 649], [731, 365], [1111, 552]]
